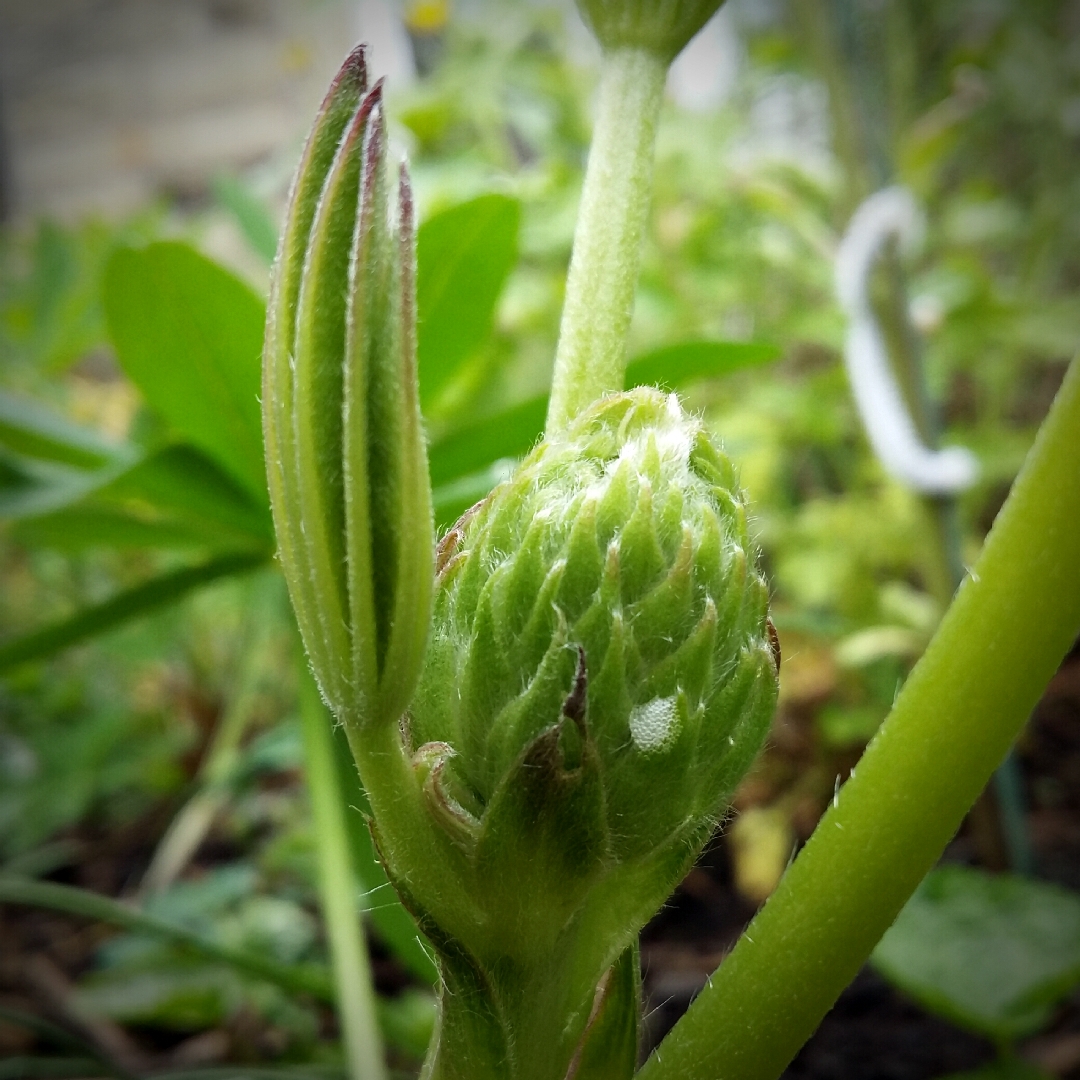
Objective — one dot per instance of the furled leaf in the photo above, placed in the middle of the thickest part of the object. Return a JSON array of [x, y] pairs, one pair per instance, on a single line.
[[189, 335], [992, 953], [464, 256]]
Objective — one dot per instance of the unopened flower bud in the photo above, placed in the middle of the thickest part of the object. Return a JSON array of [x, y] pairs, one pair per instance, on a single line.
[[601, 670]]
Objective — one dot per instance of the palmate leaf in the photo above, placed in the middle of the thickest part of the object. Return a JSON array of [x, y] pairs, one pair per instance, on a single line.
[[189, 335]]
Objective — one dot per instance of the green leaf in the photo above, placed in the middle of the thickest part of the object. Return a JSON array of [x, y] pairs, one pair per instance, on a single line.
[[991, 953], [250, 213], [173, 498], [451, 500], [31, 430], [510, 433], [513, 431], [119, 609], [189, 335], [464, 256], [46, 894], [676, 365]]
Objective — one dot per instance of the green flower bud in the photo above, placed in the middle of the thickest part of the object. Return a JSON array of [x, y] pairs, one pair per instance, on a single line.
[[604, 600], [662, 27], [345, 450], [601, 672]]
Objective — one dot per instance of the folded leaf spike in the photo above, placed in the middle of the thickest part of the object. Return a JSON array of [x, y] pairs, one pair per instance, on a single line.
[[367, 325], [414, 530], [278, 391], [318, 360]]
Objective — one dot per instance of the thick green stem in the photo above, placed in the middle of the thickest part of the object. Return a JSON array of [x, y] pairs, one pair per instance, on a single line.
[[591, 356], [348, 950], [965, 702]]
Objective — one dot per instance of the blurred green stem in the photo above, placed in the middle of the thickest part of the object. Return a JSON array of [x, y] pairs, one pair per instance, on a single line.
[[193, 821], [338, 885], [967, 699], [591, 354]]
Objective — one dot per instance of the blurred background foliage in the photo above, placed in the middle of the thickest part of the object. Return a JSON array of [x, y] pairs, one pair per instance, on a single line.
[[105, 747]]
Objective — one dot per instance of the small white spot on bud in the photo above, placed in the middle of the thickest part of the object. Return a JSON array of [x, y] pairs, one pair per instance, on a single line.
[[654, 724]]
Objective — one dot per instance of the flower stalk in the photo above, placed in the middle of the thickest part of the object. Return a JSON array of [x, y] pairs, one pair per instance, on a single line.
[[638, 39]]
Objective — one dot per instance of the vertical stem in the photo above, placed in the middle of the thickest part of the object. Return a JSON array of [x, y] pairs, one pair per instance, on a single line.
[[591, 356], [348, 950], [965, 702]]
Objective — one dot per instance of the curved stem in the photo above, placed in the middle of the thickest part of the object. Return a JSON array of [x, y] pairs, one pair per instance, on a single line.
[[591, 354], [967, 699]]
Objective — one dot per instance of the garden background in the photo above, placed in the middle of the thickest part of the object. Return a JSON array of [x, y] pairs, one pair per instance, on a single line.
[[150, 749]]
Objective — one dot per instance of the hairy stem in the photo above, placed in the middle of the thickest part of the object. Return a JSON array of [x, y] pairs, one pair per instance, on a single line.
[[964, 704], [338, 886], [591, 356]]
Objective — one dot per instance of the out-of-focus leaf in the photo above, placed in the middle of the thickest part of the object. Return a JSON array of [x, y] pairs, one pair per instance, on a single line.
[[506, 434], [992, 953], [176, 497], [126, 605], [408, 1021], [451, 500], [393, 923], [189, 335], [676, 365], [46, 894], [51, 1033], [30, 430], [512, 432], [250, 214], [463, 256], [37, 487]]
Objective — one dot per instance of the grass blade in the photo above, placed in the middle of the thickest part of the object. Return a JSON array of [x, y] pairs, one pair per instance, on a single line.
[[118, 609]]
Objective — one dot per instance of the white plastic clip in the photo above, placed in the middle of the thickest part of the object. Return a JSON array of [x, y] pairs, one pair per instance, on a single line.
[[892, 433]]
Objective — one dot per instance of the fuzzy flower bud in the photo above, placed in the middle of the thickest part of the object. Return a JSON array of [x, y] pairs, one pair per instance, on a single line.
[[601, 669]]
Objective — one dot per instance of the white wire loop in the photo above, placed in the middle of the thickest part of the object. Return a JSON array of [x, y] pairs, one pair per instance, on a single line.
[[892, 433]]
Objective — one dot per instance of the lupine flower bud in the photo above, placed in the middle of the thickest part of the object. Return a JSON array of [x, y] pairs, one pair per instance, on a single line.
[[662, 27], [345, 450], [601, 669]]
